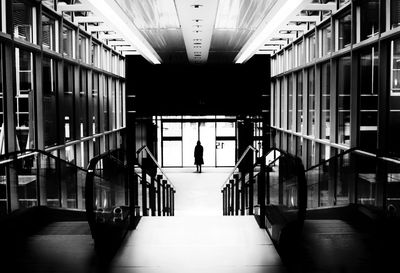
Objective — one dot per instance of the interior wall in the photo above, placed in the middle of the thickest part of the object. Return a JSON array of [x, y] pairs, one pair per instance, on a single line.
[[186, 89]]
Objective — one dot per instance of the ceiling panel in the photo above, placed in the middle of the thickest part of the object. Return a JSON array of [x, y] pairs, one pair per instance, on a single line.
[[158, 22], [236, 22]]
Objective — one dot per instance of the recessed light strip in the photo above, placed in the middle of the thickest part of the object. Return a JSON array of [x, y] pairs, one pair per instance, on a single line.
[[114, 17], [279, 15]]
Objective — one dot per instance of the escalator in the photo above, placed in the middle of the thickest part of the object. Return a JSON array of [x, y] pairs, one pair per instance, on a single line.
[[58, 217]]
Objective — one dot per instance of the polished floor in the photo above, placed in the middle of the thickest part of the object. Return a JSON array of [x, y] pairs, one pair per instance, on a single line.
[[197, 244], [198, 238]]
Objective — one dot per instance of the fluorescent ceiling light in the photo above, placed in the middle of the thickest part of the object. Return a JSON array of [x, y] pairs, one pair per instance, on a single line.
[[114, 17], [151, 14], [227, 14], [268, 28]]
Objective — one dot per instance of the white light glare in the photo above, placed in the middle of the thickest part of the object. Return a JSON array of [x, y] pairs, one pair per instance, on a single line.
[[286, 10], [120, 26]]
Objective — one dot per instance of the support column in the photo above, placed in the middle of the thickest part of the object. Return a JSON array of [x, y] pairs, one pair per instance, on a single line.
[[159, 209]]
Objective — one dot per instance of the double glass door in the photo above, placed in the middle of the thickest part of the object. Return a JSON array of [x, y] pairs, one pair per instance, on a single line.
[[217, 139]]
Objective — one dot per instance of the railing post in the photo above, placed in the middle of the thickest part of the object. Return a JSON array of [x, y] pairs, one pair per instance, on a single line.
[[172, 202], [144, 193], [237, 195], [232, 205], [164, 187], [168, 200], [152, 195], [133, 195], [159, 178], [261, 191], [251, 192], [223, 201], [228, 198], [243, 194]]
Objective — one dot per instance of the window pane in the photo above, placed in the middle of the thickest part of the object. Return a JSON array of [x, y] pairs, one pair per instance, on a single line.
[[22, 20], [369, 21], [325, 101], [326, 40], [394, 13], [311, 101], [172, 153], [2, 135], [343, 103], [48, 32], [24, 100], [67, 41], [49, 102], [67, 103], [344, 31], [226, 129], [394, 101], [299, 89], [172, 129], [368, 114], [290, 101]]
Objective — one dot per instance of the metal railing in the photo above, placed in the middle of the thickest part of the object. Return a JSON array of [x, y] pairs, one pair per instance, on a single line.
[[273, 189], [157, 192], [37, 178]]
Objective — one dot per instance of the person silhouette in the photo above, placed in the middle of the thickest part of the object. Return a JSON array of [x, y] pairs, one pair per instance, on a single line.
[[198, 156]]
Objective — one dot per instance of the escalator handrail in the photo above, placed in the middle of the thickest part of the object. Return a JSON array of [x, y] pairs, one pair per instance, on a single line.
[[237, 164], [12, 156], [145, 148], [332, 158]]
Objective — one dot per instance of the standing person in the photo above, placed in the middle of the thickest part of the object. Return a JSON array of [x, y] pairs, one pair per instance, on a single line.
[[198, 156]]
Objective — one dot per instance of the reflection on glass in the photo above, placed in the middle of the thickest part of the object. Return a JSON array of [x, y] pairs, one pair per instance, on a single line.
[[325, 101], [344, 31], [22, 20], [299, 88], [343, 103], [290, 101], [369, 21], [48, 32], [24, 100], [2, 135], [311, 102], [326, 40], [49, 101], [3, 191], [225, 152], [394, 13], [368, 116]]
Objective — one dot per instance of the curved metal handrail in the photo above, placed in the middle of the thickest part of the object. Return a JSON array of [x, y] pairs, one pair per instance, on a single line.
[[332, 158], [145, 148], [5, 158], [237, 163]]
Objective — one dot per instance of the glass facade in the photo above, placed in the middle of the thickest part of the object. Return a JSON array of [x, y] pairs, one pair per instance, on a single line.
[[218, 138], [348, 96], [51, 103]]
